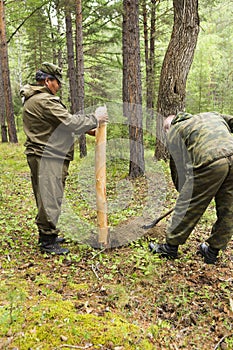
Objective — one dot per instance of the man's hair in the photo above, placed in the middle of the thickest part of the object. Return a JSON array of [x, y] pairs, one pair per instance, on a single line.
[[41, 76]]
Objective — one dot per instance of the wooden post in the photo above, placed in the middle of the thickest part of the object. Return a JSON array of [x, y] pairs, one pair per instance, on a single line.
[[100, 178]]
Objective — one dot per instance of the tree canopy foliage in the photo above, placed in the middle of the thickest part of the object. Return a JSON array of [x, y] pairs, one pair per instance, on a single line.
[[210, 81], [36, 32]]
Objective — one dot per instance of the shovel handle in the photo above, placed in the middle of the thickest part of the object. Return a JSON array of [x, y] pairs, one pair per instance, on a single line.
[[153, 223]]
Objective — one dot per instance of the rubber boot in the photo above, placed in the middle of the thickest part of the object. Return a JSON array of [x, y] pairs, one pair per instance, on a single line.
[[210, 254], [165, 250], [48, 244]]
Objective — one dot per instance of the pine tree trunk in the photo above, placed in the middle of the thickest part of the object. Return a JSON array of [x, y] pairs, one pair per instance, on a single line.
[[80, 71], [2, 110], [6, 79], [151, 70], [149, 43], [125, 59], [176, 66], [71, 65], [132, 88], [58, 52]]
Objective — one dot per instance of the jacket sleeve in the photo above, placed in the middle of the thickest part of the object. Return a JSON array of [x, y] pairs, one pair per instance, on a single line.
[[174, 174], [78, 123], [177, 160]]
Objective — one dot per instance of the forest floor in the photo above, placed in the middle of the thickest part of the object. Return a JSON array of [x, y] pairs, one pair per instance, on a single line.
[[121, 298]]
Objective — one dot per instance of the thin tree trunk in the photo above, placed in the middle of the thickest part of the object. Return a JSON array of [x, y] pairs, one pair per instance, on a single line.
[[176, 66], [149, 61], [2, 108], [151, 70], [57, 50], [71, 64], [125, 59], [80, 71], [6, 79]]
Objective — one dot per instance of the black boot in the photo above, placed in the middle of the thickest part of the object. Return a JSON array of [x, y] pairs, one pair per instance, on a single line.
[[210, 254], [48, 244], [58, 239], [165, 250]]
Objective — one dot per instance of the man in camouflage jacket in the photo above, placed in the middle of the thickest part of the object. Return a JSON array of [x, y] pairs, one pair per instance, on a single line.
[[201, 149], [50, 130]]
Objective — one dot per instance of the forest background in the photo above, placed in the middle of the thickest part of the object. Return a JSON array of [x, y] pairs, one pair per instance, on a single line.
[[124, 298], [36, 32]]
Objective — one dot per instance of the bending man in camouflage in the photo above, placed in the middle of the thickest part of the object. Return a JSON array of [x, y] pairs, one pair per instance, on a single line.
[[201, 149]]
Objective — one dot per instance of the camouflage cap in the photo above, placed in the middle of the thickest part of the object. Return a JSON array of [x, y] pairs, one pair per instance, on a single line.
[[52, 69]]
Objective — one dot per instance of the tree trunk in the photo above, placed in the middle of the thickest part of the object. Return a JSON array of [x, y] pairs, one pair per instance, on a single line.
[[2, 108], [80, 72], [71, 65], [58, 52], [132, 88], [151, 69], [6, 79], [149, 42], [176, 66], [125, 59]]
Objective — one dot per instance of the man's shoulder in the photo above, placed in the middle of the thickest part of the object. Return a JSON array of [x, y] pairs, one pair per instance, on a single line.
[[45, 96]]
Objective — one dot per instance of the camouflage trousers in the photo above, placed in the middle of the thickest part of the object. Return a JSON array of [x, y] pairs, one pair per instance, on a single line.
[[214, 181], [48, 178]]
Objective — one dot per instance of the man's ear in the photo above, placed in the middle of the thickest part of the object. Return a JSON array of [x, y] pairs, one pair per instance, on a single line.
[[167, 122]]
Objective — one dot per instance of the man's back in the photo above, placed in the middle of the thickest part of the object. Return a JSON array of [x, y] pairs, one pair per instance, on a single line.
[[201, 138]]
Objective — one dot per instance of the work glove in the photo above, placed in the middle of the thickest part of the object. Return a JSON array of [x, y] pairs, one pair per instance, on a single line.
[[101, 114]]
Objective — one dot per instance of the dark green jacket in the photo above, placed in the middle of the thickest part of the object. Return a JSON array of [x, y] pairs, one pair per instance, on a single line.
[[48, 125], [195, 141]]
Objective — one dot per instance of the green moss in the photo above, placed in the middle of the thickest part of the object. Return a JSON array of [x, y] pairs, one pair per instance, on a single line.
[[44, 321], [48, 322], [78, 287]]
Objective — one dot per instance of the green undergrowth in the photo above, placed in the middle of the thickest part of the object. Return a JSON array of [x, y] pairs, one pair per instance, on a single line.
[[47, 322], [115, 299]]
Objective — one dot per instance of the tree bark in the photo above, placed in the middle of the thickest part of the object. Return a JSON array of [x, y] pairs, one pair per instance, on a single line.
[[58, 51], [6, 79], [149, 43], [132, 87], [151, 69], [2, 108], [176, 66], [80, 71], [71, 61]]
